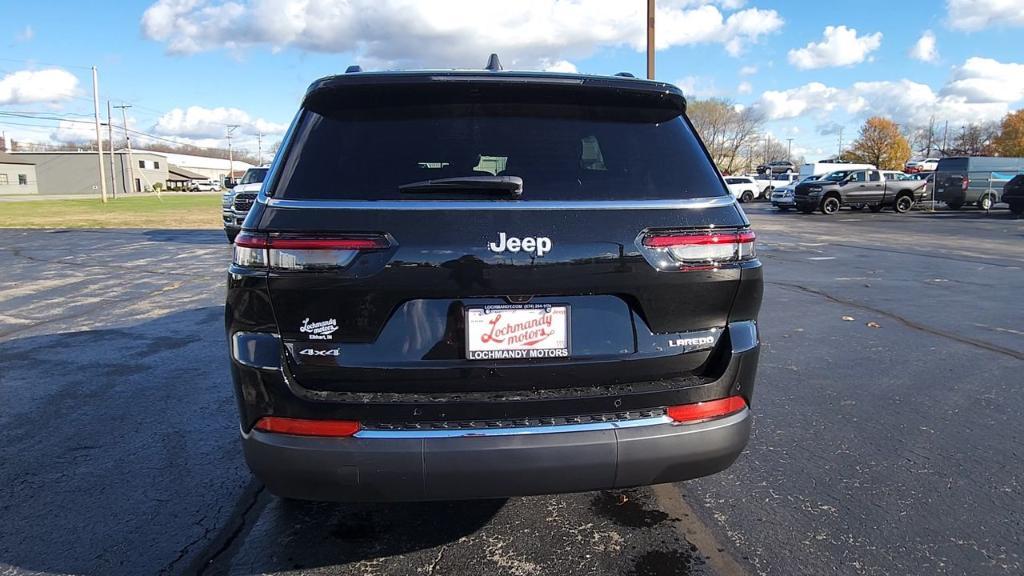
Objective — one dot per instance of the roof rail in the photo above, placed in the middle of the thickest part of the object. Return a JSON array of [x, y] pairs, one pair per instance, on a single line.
[[353, 68], [625, 74], [493, 64]]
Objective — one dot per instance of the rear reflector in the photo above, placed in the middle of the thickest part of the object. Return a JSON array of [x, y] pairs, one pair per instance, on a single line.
[[299, 427], [704, 248], [303, 253], [701, 411]]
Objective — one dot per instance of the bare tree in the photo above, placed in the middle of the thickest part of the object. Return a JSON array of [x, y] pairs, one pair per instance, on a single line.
[[924, 140], [974, 140], [729, 132]]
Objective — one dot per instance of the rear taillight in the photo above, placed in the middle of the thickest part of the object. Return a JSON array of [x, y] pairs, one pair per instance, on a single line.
[[702, 411], [300, 427], [966, 183], [704, 249], [303, 253]]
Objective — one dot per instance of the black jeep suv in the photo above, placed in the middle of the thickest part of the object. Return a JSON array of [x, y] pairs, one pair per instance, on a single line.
[[466, 284]]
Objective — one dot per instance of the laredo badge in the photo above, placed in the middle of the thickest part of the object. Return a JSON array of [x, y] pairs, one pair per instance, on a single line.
[[321, 330]]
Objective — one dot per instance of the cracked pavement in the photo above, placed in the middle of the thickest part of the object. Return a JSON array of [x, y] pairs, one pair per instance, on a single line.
[[882, 450]]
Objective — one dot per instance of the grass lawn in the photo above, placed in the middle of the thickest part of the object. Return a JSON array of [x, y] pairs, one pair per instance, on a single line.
[[171, 211]]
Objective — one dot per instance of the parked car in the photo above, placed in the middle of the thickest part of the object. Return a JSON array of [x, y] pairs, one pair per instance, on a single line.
[[1013, 194], [512, 313], [974, 180], [783, 198], [204, 186], [777, 167], [925, 165], [743, 188], [237, 200], [872, 188]]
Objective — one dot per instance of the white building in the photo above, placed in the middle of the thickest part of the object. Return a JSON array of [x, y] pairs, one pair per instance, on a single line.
[[213, 168]]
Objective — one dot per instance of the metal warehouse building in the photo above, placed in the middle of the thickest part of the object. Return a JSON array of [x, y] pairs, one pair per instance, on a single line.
[[17, 176], [77, 172], [74, 172]]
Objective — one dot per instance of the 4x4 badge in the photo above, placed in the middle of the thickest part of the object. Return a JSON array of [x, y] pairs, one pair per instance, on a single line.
[[315, 352]]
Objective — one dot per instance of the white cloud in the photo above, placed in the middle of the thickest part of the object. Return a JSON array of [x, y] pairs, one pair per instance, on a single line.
[[840, 47], [987, 80], [980, 90], [744, 88], [400, 33], [559, 66], [748, 70], [196, 123], [972, 15], [795, 102], [697, 87], [924, 49], [75, 132], [36, 86]]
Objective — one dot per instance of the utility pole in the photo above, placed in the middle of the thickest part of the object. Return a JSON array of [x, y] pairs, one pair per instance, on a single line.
[[128, 146], [650, 39], [110, 137], [931, 135], [3, 140], [259, 148], [231, 159], [99, 138], [789, 150], [945, 132], [840, 158]]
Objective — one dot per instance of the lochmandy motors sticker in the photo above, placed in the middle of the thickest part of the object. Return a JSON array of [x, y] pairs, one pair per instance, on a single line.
[[515, 331], [321, 330]]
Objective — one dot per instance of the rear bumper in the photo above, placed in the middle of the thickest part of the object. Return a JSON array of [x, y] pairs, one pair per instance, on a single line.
[[397, 466]]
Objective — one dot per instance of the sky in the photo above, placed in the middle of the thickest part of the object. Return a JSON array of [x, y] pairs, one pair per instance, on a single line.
[[188, 69]]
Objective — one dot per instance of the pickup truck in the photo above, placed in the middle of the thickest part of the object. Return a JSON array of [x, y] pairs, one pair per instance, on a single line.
[[875, 189]]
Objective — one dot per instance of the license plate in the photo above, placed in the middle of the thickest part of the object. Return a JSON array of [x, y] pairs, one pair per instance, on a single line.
[[517, 331]]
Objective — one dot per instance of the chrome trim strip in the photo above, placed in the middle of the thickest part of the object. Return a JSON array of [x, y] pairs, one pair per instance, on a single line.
[[588, 427], [680, 204]]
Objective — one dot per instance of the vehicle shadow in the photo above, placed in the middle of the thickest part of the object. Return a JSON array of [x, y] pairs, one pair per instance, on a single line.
[[294, 535]]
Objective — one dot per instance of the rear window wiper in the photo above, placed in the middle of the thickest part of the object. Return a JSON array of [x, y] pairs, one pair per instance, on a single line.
[[512, 185]]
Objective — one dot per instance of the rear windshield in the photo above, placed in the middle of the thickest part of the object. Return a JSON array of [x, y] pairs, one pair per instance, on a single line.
[[254, 176], [561, 152]]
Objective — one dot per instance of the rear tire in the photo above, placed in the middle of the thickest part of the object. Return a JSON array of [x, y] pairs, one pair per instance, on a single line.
[[830, 205], [747, 196], [1017, 208], [231, 234], [986, 202], [903, 204], [955, 205]]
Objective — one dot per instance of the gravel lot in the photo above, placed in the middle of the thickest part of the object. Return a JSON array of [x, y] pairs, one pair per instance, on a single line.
[[889, 442]]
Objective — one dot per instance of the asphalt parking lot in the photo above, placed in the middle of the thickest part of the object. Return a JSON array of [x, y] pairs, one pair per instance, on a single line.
[[888, 435]]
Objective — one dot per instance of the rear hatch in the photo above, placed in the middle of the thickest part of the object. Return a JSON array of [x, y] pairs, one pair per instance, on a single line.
[[451, 235]]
